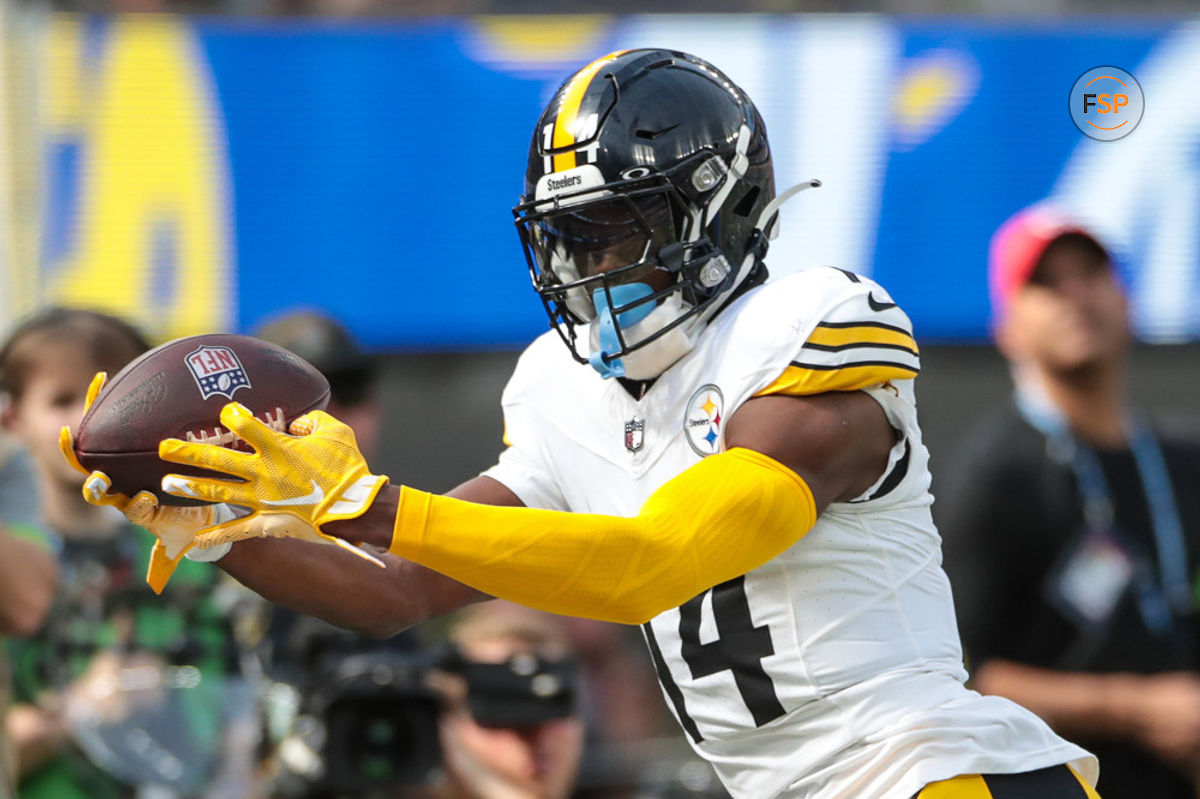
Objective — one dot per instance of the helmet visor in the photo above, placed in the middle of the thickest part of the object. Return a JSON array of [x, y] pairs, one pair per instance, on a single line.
[[580, 242]]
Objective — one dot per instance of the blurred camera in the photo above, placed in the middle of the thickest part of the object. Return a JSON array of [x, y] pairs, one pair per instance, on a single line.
[[365, 727], [523, 691], [361, 719], [381, 723]]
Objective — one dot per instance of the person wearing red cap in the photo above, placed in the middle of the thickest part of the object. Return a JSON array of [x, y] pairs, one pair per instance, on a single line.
[[1072, 529]]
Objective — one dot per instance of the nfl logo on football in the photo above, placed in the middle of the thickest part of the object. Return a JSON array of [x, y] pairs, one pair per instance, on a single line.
[[634, 434], [217, 371]]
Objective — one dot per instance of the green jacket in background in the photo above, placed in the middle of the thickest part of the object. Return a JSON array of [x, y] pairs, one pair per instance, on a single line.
[[175, 654]]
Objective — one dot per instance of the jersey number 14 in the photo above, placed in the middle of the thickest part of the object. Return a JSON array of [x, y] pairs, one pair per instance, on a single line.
[[739, 648]]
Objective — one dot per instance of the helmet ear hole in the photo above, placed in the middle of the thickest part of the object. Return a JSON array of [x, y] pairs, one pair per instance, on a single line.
[[745, 206]]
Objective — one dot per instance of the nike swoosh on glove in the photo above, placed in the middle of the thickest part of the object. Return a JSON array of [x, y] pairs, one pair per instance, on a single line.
[[293, 483]]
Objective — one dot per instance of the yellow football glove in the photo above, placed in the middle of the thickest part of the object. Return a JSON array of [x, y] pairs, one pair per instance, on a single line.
[[66, 439], [175, 528], [293, 484]]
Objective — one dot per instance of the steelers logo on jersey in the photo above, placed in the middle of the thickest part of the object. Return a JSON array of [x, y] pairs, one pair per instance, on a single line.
[[703, 419]]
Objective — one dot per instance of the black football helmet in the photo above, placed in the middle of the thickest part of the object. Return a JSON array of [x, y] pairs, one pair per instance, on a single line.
[[649, 174]]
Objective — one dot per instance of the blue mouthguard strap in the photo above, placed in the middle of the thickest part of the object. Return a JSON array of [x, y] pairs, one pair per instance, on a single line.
[[610, 343]]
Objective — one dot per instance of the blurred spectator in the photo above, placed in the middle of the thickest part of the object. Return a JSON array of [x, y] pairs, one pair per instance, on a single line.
[[28, 574], [510, 728], [622, 707], [27, 569], [1072, 530], [493, 716], [121, 691], [351, 373]]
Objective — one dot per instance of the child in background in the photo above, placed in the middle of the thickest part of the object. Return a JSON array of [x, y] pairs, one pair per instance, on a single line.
[[119, 690]]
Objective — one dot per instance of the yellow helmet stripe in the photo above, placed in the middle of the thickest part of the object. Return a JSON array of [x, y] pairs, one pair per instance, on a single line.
[[564, 123]]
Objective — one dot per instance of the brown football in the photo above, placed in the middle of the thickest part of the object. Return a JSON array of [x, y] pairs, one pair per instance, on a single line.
[[177, 390]]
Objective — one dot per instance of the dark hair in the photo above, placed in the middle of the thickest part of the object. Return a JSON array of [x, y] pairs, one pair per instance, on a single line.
[[1074, 241], [326, 344], [109, 342]]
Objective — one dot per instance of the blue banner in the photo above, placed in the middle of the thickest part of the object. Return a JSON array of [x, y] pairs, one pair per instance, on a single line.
[[208, 174]]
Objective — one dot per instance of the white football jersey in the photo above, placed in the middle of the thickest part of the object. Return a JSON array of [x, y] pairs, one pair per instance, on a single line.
[[833, 671]]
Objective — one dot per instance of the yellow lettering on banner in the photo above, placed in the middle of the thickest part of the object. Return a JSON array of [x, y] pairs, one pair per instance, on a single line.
[[151, 236], [64, 100], [542, 38]]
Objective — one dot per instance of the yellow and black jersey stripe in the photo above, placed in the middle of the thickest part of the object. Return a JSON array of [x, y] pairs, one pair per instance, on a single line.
[[1055, 782], [863, 341], [847, 356]]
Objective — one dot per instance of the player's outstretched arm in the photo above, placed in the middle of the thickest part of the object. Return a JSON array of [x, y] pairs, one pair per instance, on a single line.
[[788, 458], [349, 592], [344, 590], [721, 518]]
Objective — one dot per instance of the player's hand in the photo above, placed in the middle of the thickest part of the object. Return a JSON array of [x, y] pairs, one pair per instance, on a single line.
[[66, 439], [292, 483], [174, 527]]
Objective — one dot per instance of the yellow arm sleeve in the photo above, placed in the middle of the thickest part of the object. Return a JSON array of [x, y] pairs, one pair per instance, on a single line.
[[726, 515]]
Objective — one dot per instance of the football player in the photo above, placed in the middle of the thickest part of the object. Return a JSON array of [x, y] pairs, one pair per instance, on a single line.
[[736, 467]]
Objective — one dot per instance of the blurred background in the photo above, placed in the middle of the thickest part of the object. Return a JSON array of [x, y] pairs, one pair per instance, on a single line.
[[202, 166], [213, 169]]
